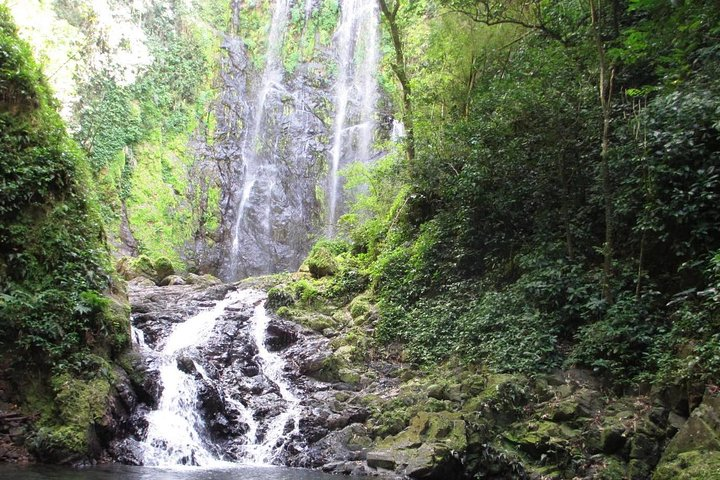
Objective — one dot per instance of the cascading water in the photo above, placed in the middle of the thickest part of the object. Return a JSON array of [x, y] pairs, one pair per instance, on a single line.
[[174, 434], [256, 162], [263, 452], [276, 130], [355, 92], [178, 430]]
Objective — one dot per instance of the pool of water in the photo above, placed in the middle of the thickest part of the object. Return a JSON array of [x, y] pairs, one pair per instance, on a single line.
[[126, 472]]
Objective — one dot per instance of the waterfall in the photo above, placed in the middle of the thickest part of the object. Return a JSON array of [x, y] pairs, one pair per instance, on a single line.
[[272, 367], [355, 91], [174, 434], [177, 431], [277, 132], [256, 165]]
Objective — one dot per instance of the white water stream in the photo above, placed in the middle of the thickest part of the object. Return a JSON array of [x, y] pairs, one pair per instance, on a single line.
[[255, 166], [272, 367], [174, 428], [176, 433]]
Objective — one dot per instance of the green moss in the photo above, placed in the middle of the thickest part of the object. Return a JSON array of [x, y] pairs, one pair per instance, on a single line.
[[67, 433], [321, 261], [611, 469], [690, 465], [163, 268], [142, 266], [280, 297], [360, 306]]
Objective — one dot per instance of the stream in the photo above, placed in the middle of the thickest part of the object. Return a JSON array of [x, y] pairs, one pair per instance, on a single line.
[[126, 472]]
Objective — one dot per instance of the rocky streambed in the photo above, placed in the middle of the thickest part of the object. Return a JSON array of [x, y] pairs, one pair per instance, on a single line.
[[313, 392], [239, 401]]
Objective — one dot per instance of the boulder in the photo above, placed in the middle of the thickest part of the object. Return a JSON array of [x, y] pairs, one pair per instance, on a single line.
[[172, 280], [694, 452], [163, 268], [381, 459], [279, 336]]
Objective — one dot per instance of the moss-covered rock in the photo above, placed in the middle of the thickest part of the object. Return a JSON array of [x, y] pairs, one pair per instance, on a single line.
[[360, 306], [694, 452], [163, 268], [67, 435], [537, 438], [280, 296], [321, 262], [691, 465], [142, 266], [425, 449]]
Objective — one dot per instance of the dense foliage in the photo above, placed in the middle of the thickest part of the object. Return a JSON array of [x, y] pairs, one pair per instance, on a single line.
[[53, 260], [559, 203], [61, 320]]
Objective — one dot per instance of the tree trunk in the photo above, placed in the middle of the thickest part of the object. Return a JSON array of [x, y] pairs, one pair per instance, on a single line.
[[399, 68], [605, 90]]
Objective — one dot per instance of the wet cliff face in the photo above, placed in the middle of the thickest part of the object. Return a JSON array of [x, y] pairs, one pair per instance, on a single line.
[[287, 122], [270, 206]]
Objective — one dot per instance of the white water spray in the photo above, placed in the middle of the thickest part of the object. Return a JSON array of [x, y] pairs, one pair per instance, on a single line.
[[272, 365], [174, 434], [255, 165], [355, 90]]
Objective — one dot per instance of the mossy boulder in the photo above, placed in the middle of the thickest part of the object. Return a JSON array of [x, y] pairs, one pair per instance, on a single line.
[[694, 452], [360, 306], [130, 268], [690, 465], [172, 280], [321, 262], [427, 448], [163, 268], [280, 296], [537, 438], [204, 280], [610, 468], [66, 434]]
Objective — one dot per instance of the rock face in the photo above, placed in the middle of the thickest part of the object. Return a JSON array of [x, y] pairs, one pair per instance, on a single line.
[[284, 125]]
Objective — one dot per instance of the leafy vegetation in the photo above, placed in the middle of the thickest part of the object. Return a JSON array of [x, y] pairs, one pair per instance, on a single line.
[[557, 203], [58, 314]]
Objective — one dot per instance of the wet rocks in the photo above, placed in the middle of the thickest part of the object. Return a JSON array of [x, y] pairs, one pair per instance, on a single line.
[[280, 335]]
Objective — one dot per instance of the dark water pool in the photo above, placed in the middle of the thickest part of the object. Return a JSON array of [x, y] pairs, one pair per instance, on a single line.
[[125, 472]]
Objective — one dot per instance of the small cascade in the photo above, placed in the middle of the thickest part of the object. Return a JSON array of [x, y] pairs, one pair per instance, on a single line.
[[272, 367], [355, 95], [257, 411], [175, 434]]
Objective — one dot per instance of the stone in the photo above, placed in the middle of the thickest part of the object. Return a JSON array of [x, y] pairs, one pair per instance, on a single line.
[[638, 470], [692, 465], [645, 449], [381, 459], [612, 438], [172, 280], [279, 336], [164, 268], [675, 421], [186, 364], [701, 431]]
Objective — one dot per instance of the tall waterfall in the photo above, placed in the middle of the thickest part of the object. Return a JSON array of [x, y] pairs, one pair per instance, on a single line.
[[285, 132], [259, 171], [355, 91]]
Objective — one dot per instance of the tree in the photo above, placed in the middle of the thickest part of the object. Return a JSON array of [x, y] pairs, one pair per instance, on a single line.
[[390, 11]]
